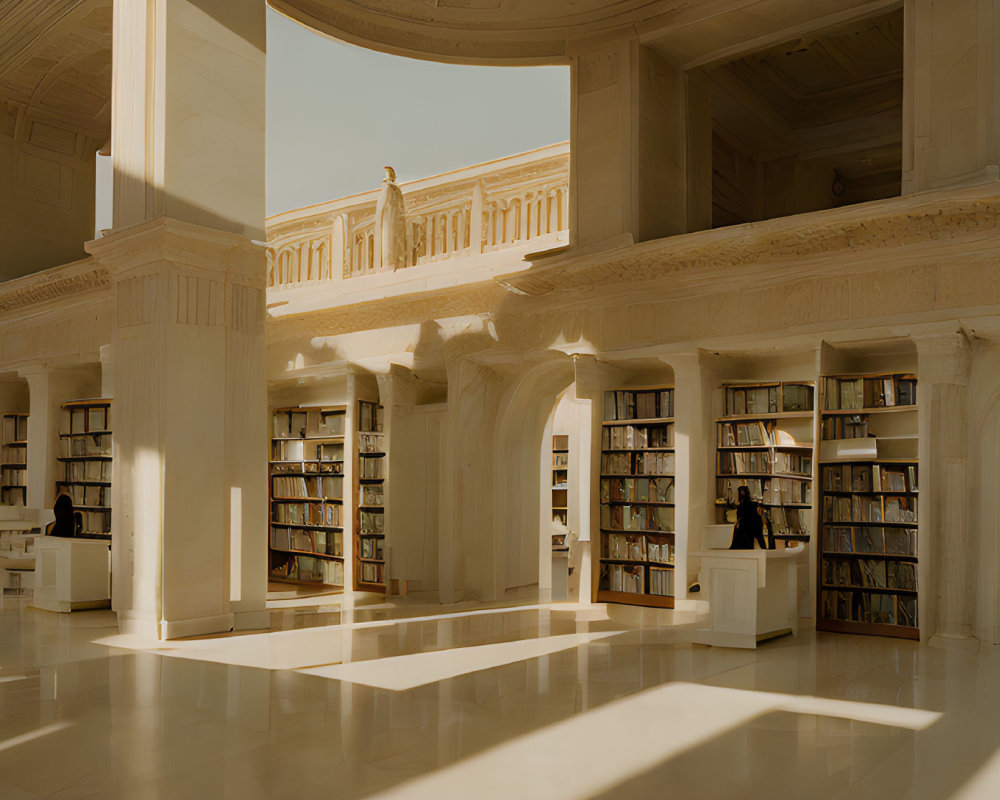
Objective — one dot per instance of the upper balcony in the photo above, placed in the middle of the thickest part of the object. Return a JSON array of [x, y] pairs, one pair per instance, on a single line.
[[460, 227]]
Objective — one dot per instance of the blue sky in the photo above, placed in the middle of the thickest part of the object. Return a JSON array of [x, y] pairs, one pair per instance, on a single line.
[[337, 113]]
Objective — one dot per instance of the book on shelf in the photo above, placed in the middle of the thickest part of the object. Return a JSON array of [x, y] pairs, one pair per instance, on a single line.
[[321, 542], [372, 572], [872, 391], [370, 416], [307, 569], [623, 578], [637, 518], [15, 428], [661, 581], [633, 437], [641, 490], [626, 404]]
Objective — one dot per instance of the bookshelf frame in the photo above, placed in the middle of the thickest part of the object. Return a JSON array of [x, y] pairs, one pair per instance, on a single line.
[[318, 475], [876, 466], [737, 418], [652, 469], [14, 459], [77, 426], [370, 455]]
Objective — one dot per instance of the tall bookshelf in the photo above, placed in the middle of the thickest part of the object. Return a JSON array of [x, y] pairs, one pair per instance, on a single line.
[[764, 441], [13, 459], [560, 478], [85, 453], [868, 566], [369, 479], [307, 496], [636, 564]]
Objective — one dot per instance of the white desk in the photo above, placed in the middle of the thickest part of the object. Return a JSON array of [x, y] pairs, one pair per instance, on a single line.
[[752, 595], [72, 574]]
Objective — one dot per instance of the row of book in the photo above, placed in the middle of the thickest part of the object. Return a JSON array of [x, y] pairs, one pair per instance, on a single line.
[[637, 490], [372, 521], [746, 434], [308, 569], [306, 450], [327, 543], [844, 426], [328, 514], [15, 455], [637, 518], [770, 491], [866, 508], [87, 471], [883, 391], [14, 476], [371, 468], [15, 428], [96, 521], [91, 444], [638, 463], [371, 494], [330, 487], [786, 397], [624, 404], [638, 547], [869, 478], [86, 494], [632, 437], [87, 418], [300, 423], [632, 579], [788, 521], [873, 607], [371, 572], [870, 540], [296, 467], [373, 548], [13, 495], [370, 416], [764, 462], [876, 573], [371, 443]]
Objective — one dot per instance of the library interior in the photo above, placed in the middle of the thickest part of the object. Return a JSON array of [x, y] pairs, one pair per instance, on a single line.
[[428, 491]]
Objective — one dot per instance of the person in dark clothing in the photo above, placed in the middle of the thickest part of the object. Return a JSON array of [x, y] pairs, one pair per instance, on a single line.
[[749, 526], [66, 522]]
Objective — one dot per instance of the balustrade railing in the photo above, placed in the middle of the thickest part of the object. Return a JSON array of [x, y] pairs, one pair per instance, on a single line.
[[481, 209]]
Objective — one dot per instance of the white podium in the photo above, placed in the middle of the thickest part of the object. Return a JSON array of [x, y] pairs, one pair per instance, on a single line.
[[72, 574], [752, 595]]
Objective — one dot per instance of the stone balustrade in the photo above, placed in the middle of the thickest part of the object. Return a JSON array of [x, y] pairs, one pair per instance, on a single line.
[[488, 207]]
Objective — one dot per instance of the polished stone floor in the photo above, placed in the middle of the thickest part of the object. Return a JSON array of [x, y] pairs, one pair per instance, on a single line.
[[533, 701]]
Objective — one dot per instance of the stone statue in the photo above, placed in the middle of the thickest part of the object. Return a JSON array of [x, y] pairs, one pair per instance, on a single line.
[[390, 233]]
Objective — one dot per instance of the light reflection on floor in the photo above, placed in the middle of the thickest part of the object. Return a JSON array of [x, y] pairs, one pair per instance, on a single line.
[[532, 702]]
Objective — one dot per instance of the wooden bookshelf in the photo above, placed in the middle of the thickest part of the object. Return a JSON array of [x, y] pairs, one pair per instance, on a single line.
[[764, 441], [868, 566], [370, 470], [637, 546], [14, 459], [306, 494], [85, 452], [560, 478]]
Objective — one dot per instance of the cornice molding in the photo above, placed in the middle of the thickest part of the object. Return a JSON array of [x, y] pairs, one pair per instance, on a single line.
[[69, 280]]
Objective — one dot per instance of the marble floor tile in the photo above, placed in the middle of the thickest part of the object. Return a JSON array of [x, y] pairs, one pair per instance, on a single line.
[[414, 701]]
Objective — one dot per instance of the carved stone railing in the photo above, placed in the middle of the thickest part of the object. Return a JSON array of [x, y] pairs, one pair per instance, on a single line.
[[506, 203]]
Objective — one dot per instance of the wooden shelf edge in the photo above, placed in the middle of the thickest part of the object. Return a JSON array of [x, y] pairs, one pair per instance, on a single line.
[[630, 599]]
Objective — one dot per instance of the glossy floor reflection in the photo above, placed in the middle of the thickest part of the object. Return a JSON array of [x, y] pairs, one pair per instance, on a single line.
[[529, 702]]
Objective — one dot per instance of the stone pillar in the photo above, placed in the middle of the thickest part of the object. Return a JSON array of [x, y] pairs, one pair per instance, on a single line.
[[629, 170], [694, 446], [946, 545], [189, 543], [951, 93], [476, 219]]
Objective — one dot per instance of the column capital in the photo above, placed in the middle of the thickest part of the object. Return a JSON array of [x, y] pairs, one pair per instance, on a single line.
[[943, 356], [181, 244]]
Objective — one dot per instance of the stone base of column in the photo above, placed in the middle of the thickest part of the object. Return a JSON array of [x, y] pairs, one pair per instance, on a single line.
[[252, 620], [969, 644], [179, 628]]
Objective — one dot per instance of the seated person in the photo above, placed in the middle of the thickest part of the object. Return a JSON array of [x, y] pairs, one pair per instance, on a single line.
[[68, 523]]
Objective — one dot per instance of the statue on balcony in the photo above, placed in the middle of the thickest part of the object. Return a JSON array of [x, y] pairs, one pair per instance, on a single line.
[[390, 232]]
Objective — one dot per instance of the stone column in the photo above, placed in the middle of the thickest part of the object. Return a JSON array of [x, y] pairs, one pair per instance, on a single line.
[[630, 165], [946, 545], [189, 543], [951, 93]]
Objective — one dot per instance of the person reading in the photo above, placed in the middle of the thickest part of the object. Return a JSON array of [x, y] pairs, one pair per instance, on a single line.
[[67, 522], [749, 526]]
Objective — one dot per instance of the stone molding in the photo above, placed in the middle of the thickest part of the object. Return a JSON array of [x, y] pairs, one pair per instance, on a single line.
[[58, 283]]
